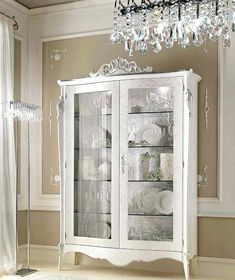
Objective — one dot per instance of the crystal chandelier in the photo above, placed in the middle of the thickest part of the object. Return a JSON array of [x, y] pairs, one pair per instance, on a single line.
[[144, 23], [22, 111]]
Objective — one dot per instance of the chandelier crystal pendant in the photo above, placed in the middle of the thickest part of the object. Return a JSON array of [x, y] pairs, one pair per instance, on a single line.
[[157, 23]]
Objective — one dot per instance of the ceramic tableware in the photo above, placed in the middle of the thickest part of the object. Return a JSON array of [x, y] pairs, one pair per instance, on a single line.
[[164, 202]]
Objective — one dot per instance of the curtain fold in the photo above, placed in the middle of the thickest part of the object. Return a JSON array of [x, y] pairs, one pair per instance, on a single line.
[[7, 153]]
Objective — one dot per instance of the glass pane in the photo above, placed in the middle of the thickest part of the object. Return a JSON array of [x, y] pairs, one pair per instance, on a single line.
[[92, 164], [150, 164]]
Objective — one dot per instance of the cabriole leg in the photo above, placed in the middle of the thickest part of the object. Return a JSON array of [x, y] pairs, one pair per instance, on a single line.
[[186, 266], [61, 256]]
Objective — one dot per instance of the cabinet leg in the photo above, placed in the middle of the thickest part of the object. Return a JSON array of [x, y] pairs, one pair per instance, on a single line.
[[186, 266], [61, 256]]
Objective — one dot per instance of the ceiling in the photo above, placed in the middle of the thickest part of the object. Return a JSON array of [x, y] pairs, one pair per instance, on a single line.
[[31, 4]]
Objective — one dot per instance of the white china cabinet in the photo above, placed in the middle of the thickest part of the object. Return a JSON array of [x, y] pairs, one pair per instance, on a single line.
[[128, 150]]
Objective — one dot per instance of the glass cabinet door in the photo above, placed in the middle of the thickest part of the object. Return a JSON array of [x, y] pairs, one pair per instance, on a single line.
[[94, 154], [151, 163]]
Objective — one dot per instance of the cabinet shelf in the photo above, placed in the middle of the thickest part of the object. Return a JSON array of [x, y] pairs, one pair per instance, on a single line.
[[151, 113], [149, 215], [98, 148], [129, 147], [92, 180], [150, 147], [90, 213], [150, 181], [91, 116]]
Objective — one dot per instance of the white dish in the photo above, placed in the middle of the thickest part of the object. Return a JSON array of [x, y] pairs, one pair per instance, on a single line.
[[103, 230], [150, 133], [93, 228], [148, 199], [164, 202]]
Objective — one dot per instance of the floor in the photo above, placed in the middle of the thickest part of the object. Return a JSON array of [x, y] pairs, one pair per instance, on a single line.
[[48, 272]]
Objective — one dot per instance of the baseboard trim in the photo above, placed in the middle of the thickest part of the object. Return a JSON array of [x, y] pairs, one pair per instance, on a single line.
[[216, 267], [213, 267], [43, 254]]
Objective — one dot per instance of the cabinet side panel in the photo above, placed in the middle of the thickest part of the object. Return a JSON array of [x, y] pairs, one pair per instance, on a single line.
[[61, 145], [193, 145]]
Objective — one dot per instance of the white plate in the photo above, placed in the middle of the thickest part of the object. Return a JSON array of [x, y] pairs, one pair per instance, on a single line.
[[148, 199], [151, 133], [103, 230], [93, 228], [164, 202]]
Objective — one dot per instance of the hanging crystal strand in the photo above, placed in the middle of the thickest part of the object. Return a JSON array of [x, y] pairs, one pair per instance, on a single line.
[[179, 23], [197, 28], [130, 31], [226, 29], [174, 17], [116, 35], [156, 33], [159, 22], [143, 31], [213, 36], [183, 38], [218, 20], [210, 30], [167, 32]]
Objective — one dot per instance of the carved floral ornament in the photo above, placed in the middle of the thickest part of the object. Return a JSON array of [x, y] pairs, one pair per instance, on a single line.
[[120, 66], [203, 180]]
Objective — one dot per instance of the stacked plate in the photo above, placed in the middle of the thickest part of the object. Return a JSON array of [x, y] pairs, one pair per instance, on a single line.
[[161, 201], [150, 134]]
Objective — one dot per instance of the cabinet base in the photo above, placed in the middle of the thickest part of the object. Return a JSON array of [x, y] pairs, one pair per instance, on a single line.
[[123, 257]]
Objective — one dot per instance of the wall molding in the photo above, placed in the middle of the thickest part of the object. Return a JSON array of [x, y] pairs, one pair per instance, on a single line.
[[223, 205], [213, 267], [45, 202]]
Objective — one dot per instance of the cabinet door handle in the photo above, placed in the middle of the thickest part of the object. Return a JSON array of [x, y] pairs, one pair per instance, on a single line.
[[123, 164]]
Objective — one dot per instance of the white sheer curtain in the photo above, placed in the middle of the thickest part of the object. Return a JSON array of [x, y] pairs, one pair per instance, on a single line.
[[7, 153]]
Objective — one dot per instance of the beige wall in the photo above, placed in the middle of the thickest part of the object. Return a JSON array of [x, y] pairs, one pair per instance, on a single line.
[[45, 228], [216, 237], [88, 53]]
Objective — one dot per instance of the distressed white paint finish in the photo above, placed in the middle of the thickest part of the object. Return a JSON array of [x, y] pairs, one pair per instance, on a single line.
[[122, 251]]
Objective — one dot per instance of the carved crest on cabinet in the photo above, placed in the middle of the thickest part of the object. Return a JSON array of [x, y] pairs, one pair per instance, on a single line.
[[120, 66]]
